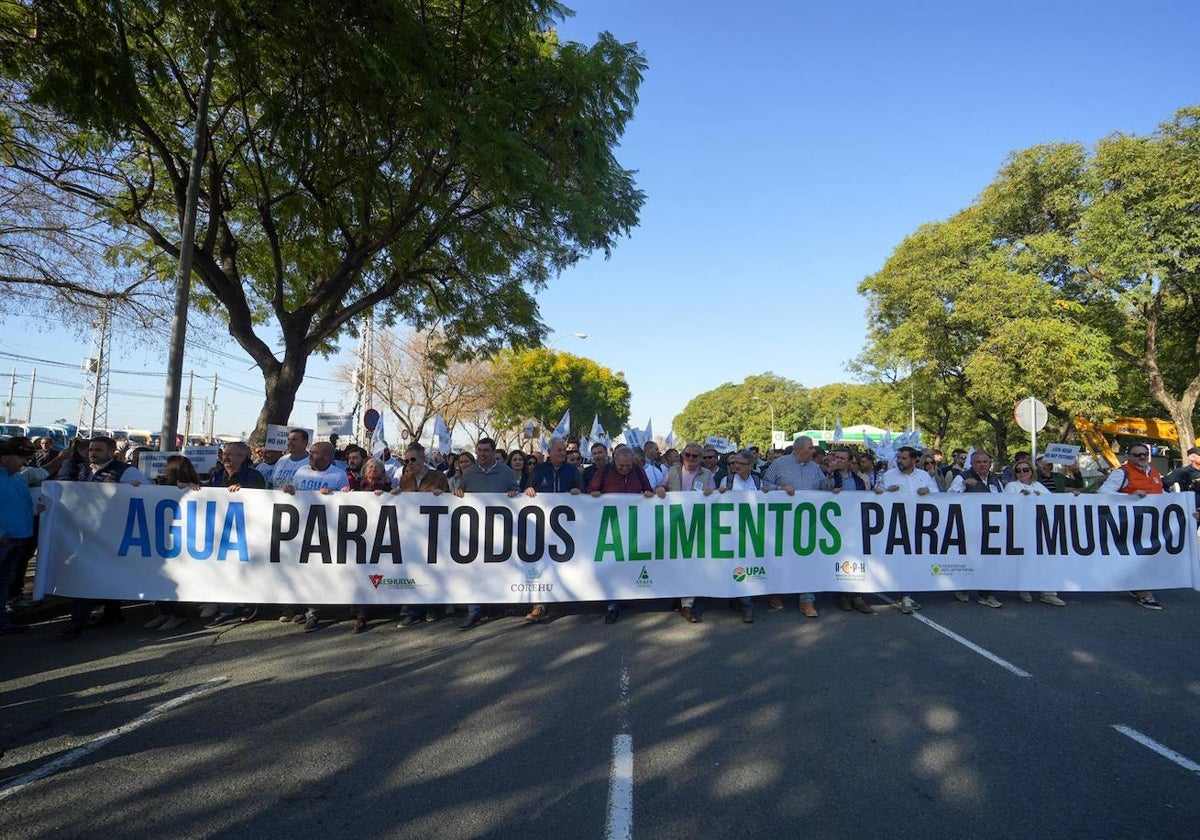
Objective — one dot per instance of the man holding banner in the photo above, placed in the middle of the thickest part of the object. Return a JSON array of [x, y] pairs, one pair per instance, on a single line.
[[1136, 479]]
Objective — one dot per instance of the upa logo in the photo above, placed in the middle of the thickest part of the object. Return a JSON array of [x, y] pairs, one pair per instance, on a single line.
[[376, 580], [743, 573]]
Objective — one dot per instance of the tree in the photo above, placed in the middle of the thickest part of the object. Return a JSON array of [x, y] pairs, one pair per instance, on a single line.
[[543, 384], [742, 412], [433, 161], [416, 380]]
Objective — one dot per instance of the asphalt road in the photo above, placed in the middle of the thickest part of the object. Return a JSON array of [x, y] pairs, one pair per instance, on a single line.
[[843, 726]]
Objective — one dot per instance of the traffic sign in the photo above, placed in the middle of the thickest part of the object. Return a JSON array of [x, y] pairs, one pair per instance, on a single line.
[[1031, 415], [370, 419]]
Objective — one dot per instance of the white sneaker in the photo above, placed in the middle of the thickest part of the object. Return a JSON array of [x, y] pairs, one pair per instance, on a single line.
[[1026, 598], [908, 601], [990, 601], [156, 622], [208, 611], [1052, 599], [174, 622]]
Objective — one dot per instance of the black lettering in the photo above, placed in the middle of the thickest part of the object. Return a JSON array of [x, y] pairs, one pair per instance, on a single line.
[[434, 512], [956, 530], [492, 515], [1114, 530], [985, 538], [898, 534], [352, 535], [316, 535], [281, 533], [1010, 536], [925, 528], [387, 535], [870, 516], [558, 515], [1142, 513], [456, 534], [1175, 519], [1087, 512], [1051, 529], [538, 517]]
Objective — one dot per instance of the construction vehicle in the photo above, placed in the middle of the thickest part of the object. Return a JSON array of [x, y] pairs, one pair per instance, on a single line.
[[1094, 440]]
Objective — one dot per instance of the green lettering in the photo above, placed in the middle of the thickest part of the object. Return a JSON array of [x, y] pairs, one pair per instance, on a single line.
[[635, 556], [687, 537], [833, 545], [779, 509], [660, 531], [720, 530], [752, 526], [804, 529], [609, 539]]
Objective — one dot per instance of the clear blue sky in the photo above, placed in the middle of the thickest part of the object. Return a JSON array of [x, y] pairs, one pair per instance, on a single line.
[[786, 148]]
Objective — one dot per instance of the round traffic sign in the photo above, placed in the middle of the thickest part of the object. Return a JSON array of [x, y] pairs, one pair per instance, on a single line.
[[1030, 414], [370, 419]]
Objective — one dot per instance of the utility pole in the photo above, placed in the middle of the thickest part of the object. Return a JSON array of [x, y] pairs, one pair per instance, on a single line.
[[212, 416], [12, 390], [32, 383], [364, 375], [187, 422], [93, 403]]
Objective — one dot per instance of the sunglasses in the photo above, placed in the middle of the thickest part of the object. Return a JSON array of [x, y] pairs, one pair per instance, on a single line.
[[1023, 470], [1139, 454]]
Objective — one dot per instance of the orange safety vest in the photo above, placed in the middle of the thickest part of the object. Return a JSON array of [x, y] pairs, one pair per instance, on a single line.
[[1136, 480]]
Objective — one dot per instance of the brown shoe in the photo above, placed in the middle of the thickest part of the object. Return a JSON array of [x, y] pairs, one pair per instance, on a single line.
[[808, 609], [844, 603], [861, 605], [688, 615], [775, 602], [536, 614]]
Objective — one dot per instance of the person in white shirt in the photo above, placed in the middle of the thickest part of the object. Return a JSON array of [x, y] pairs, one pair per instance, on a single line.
[[905, 476], [1025, 483], [320, 474], [294, 458], [978, 479], [741, 477]]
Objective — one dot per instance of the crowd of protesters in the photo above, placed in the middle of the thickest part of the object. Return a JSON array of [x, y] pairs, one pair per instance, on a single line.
[[322, 467]]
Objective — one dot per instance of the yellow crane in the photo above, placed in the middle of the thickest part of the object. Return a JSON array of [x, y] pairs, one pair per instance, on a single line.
[[1094, 440]]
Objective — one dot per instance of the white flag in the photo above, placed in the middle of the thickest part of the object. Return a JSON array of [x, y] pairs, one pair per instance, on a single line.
[[837, 431], [564, 426], [669, 440], [441, 433], [648, 434], [378, 443], [597, 434]]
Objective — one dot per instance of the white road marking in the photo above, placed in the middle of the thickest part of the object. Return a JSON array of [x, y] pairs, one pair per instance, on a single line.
[[619, 825], [967, 643], [1165, 751], [67, 759]]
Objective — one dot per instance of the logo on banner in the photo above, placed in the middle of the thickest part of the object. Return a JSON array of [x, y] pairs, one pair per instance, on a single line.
[[392, 583], [532, 582], [942, 569], [850, 570], [744, 573], [643, 578]]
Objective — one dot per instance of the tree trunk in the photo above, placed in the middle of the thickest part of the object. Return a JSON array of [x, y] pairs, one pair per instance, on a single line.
[[280, 384]]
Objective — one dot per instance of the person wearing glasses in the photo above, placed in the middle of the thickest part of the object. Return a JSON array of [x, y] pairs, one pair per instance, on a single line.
[[790, 473], [978, 479], [741, 476], [1136, 478], [1025, 483], [688, 476], [844, 476]]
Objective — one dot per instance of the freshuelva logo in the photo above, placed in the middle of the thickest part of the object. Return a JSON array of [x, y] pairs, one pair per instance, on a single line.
[[375, 580]]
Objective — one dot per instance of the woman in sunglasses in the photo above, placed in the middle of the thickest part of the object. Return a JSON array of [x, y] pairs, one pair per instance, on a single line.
[[1025, 483]]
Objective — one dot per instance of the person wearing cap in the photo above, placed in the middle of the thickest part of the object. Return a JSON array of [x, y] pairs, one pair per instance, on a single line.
[[1136, 478], [1188, 475]]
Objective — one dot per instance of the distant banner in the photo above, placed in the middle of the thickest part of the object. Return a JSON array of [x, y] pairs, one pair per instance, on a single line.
[[258, 546]]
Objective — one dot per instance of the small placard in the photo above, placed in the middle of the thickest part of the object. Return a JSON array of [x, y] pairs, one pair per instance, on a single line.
[[1062, 453], [152, 464], [328, 424], [277, 437], [204, 458]]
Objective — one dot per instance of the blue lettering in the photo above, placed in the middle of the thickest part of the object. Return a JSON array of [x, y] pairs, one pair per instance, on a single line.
[[233, 534], [165, 526], [210, 526], [137, 532]]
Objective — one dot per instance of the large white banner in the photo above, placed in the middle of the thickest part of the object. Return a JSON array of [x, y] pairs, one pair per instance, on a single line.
[[259, 546]]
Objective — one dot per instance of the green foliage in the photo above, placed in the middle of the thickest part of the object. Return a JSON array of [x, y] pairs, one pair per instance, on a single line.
[[543, 384], [437, 162], [742, 412]]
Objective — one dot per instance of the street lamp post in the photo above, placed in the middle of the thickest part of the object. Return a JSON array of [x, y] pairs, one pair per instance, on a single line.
[[772, 408]]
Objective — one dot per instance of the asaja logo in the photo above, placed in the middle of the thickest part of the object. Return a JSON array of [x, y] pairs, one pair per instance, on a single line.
[[643, 578], [392, 583], [743, 573]]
